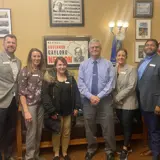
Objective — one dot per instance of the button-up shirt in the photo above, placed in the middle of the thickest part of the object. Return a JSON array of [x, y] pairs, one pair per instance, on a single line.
[[106, 77], [143, 66], [14, 67]]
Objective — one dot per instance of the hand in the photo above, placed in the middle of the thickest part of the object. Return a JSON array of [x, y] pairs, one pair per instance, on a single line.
[[54, 117], [157, 110], [75, 112], [118, 102], [94, 100], [27, 116]]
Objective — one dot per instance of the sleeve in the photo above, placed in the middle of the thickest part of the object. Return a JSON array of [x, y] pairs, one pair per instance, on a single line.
[[132, 82], [77, 95], [47, 104], [158, 103], [110, 84], [81, 84], [23, 82]]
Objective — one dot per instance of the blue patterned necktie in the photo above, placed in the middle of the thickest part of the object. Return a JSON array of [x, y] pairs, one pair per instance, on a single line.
[[94, 89]]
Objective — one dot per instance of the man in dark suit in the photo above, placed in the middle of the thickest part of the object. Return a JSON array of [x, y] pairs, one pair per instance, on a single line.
[[9, 68], [149, 94]]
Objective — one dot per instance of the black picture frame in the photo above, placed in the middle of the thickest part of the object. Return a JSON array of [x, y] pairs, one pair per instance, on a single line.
[[68, 13], [143, 8], [5, 22], [74, 49]]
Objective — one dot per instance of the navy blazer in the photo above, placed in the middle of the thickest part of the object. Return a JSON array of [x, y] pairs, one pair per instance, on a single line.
[[149, 85]]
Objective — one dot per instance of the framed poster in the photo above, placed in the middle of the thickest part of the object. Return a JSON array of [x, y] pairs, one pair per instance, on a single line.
[[143, 8], [73, 49], [139, 53], [143, 29], [65, 13], [5, 22]]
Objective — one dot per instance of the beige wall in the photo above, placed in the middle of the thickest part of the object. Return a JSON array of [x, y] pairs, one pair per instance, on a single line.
[[30, 22]]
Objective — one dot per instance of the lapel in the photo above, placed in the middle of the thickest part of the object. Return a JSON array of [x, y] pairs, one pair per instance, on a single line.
[[122, 74], [6, 59], [18, 64], [140, 63], [153, 59]]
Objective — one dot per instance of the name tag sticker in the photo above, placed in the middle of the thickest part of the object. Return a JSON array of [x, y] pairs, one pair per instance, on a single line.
[[35, 75], [6, 62], [123, 72], [152, 65], [66, 82]]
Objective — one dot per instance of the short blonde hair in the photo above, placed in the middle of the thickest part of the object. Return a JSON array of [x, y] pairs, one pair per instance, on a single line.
[[94, 40]]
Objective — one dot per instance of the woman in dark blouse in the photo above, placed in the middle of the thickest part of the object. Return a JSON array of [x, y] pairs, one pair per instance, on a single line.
[[61, 99], [30, 83]]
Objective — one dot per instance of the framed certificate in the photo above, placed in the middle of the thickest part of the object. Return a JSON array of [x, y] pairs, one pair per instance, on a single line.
[[64, 13], [143, 8]]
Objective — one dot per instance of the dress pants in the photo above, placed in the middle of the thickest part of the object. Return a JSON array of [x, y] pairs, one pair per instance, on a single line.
[[99, 114], [126, 121], [8, 119], [153, 124], [63, 137], [34, 131]]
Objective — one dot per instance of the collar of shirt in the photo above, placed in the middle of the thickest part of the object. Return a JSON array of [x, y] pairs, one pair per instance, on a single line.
[[149, 57], [98, 60], [11, 59]]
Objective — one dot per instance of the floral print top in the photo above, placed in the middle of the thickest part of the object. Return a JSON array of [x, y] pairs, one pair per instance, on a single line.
[[30, 86]]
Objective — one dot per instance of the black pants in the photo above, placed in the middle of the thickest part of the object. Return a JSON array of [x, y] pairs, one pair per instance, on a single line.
[[8, 118], [126, 120]]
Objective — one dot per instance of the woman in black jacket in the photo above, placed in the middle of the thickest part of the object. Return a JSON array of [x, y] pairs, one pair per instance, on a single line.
[[61, 99]]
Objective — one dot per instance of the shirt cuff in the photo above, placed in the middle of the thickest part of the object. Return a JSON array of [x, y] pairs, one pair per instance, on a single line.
[[100, 95], [88, 95]]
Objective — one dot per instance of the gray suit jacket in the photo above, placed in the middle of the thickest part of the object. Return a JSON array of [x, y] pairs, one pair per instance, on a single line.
[[149, 85], [125, 88], [8, 86]]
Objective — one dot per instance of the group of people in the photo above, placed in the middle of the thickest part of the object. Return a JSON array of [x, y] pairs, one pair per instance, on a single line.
[[49, 97], [52, 97]]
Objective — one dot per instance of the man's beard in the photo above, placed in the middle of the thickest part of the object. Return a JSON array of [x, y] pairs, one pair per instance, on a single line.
[[150, 53]]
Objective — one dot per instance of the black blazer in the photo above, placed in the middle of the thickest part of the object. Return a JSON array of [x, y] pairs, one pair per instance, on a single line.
[[149, 85]]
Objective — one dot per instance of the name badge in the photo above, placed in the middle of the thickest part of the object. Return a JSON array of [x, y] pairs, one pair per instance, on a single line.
[[152, 65], [35, 75], [6, 62], [67, 82], [123, 72]]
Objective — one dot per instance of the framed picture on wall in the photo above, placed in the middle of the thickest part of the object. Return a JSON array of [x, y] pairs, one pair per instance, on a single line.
[[143, 8], [64, 13], [143, 29], [139, 53], [5, 22], [73, 49]]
